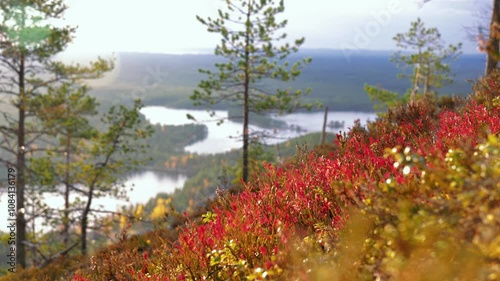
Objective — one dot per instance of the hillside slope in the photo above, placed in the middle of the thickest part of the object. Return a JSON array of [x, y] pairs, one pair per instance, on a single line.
[[414, 196]]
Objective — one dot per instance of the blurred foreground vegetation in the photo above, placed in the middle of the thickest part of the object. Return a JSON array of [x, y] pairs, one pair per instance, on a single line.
[[413, 196]]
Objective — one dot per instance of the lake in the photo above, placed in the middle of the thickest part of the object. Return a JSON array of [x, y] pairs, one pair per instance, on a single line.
[[224, 137], [221, 138], [140, 188]]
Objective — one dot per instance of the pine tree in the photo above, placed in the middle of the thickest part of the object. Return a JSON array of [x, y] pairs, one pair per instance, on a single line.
[[250, 30], [429, 58], [107, 156], [64, 113], [27, 47], [490, 45], [425, 54]]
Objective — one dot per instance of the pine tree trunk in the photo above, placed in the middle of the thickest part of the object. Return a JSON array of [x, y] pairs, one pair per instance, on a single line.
[[66, 192], [84, 223], [323, 132], [245, 100], [83, 239], [427, 84], [416, 78], [20, 220], [493, 45]]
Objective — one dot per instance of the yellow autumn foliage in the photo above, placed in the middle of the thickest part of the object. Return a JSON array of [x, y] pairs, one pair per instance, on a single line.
[[161, 209]]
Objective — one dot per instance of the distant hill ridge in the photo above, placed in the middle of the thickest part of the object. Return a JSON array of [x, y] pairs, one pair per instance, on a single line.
[[335, 80]]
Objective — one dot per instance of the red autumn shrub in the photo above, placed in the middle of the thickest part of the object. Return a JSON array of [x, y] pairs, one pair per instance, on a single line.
[[414, 196], [251, 232], [299, 211]]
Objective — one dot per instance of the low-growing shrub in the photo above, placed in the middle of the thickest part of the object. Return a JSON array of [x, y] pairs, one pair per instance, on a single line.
[[413, 196]]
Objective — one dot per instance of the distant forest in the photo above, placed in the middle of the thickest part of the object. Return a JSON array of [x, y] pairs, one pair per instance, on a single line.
[[335, 80]]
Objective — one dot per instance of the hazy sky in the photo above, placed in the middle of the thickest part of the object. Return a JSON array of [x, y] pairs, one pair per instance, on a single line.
[[166, 26]]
